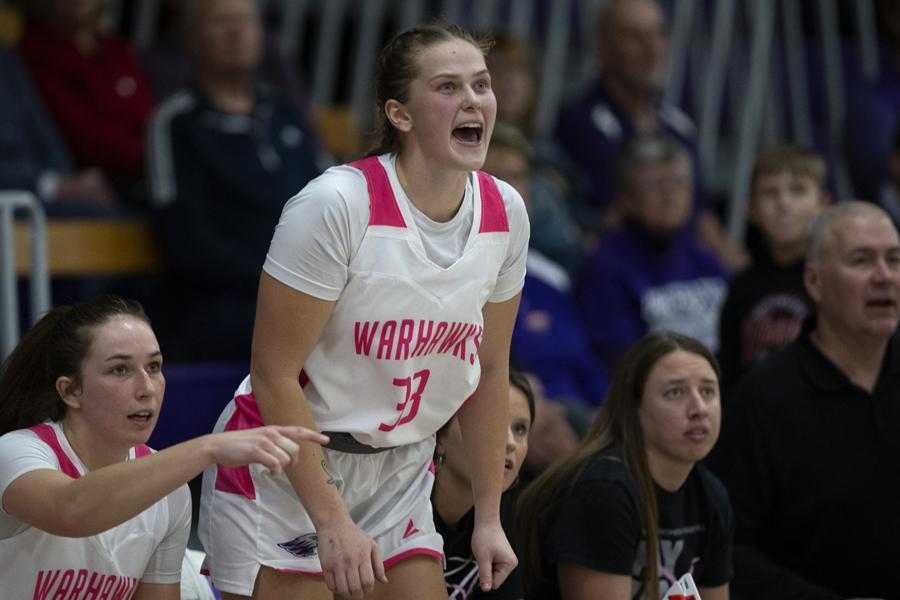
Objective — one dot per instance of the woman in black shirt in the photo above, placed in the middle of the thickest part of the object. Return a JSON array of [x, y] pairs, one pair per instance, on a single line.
[[634, 483]]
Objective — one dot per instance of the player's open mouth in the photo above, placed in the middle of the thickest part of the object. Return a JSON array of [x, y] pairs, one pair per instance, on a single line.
[[468, 134]]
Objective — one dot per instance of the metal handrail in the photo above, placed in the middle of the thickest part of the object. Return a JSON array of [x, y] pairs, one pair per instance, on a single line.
[[683, 19], [835, 96], [713, 91], [868, 39], [40, 279], [751, 117], [797, 76], [552, 76]]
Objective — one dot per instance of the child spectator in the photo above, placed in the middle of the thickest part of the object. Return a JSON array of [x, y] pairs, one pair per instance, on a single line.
[[766, 303]]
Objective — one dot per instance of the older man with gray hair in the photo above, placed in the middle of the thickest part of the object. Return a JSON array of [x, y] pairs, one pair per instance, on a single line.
[[811, 437]]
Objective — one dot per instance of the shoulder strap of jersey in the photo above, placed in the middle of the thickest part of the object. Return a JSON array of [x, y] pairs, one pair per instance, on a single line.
[[383, 207], [493, 211], [48, 435]]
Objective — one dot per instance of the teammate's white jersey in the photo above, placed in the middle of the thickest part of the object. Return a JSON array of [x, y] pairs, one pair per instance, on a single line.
[[35, 564], [399, 354]]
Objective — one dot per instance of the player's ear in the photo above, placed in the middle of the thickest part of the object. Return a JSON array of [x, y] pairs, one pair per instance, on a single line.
[[398, 115]]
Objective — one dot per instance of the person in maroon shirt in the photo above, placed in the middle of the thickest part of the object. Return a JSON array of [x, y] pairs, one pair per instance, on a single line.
[[93, 84]]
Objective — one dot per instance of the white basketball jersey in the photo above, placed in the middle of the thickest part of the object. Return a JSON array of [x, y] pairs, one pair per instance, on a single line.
[[36, 564], [399, 354]]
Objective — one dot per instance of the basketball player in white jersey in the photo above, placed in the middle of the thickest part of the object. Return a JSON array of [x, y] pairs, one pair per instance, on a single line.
[[386, 305], [88, 510]]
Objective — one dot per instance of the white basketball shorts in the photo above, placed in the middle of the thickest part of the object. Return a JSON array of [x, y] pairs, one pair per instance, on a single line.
[[250, 518]]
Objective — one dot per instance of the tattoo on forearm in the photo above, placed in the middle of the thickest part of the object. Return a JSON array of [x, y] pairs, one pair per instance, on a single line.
[[327, 472]]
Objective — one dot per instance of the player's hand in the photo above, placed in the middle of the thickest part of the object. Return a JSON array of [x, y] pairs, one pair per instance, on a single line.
[[494, 555], [273, 446], [350, 559]]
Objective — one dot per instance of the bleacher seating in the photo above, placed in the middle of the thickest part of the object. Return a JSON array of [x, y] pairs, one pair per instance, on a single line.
[[91, 247]]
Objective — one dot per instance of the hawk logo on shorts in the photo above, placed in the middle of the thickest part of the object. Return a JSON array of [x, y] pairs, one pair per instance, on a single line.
[[303, 546]]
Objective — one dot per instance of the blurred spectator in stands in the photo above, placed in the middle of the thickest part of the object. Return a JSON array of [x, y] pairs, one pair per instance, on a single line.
[[554, 230], [553, 435], [626, 100], [224, 157], [767, 303], [516, 86], [93, 85], [811, 435], [34, 157], [651, 273], [514, 81], [170, 67], [167, 60], [873, 111], [549, 339]]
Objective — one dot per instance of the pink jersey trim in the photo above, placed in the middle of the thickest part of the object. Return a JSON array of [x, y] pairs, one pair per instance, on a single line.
[[493, 211], [383, 207], [246, 413], [142, 450], [237, 480], [48, 436], [302, 572], [412, 552], [387, 564]]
